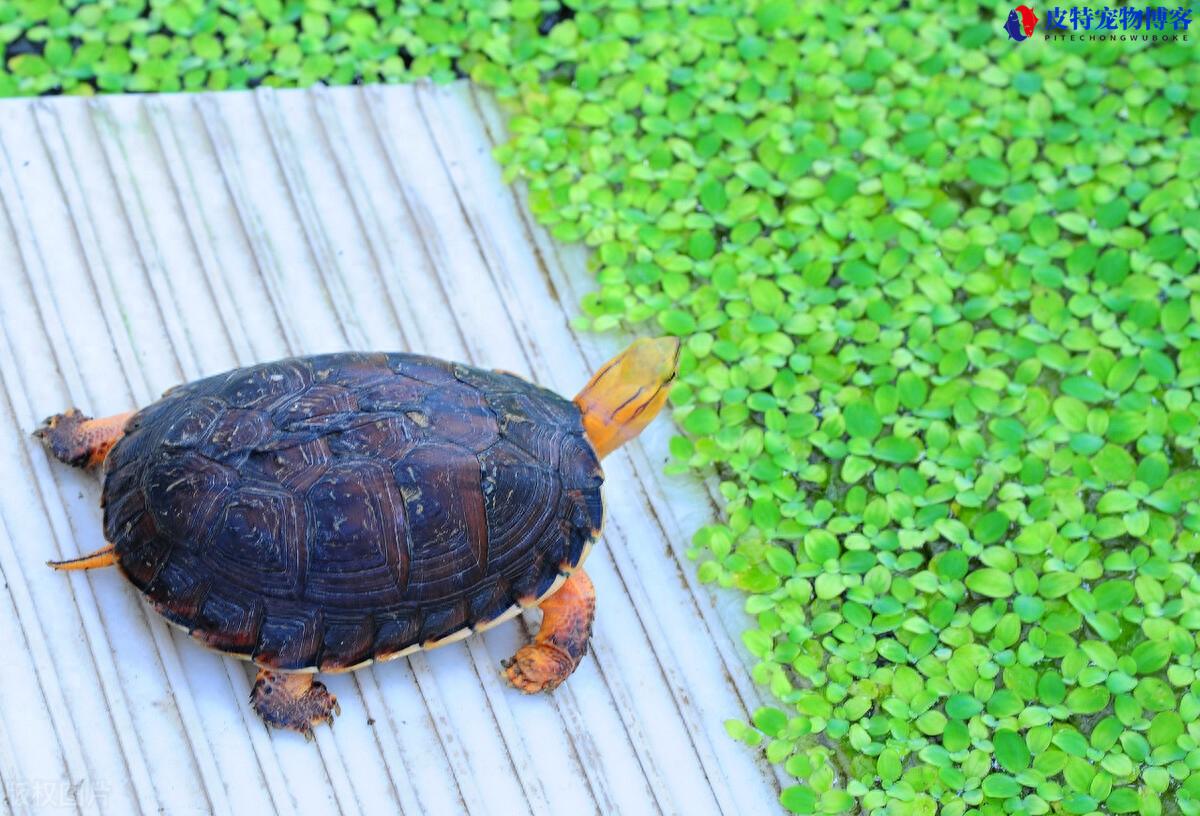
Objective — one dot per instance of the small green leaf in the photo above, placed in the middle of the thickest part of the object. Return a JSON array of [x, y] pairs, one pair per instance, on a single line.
[[702, 421], [1088, 700], [1011, 751], [990, 582], [990, 527], [862, 421], [677, 322], [988, 172], [1083, 388], [896, 449], [1151, 656], [1114, 464], [770, 721], [931, 722], [1001, 786], [799, 799], [962, 706]]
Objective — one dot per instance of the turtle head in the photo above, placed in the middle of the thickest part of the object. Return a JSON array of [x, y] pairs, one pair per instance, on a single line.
[[627, 392]]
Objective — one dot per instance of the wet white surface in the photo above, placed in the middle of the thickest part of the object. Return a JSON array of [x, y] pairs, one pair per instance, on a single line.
[[146, 241]]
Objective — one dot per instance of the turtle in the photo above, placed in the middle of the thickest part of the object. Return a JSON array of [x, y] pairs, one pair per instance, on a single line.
[[320, 513]]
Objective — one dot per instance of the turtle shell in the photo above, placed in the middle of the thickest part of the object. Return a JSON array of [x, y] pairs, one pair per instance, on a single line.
[[323, 512]]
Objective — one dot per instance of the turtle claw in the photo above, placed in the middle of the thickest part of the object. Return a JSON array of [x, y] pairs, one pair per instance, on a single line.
[[293, 701], [50, 422]]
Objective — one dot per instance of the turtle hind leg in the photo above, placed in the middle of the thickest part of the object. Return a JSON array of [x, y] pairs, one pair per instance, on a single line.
[[80, 440], [293, 700], [561, 642]]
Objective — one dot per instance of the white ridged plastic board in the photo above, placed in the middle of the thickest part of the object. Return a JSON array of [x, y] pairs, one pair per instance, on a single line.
[[146, 241]]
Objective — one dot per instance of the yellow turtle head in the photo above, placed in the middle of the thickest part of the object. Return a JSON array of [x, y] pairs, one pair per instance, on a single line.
[[628, 392]]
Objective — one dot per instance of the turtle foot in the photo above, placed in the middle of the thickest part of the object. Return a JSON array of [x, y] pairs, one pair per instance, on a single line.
[[562, 640], [294, 701], [538, 667], [77, 439], [60, 434]]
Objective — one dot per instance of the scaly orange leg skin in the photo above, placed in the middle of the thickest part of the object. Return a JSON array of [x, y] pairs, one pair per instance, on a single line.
[[293, 700], [80, 440], [561, 643]]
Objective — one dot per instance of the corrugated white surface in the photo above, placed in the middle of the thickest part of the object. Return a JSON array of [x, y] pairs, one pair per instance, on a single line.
[[146, 241]]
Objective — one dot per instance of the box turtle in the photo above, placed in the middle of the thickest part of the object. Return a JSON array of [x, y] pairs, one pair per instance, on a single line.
[[319, 513]]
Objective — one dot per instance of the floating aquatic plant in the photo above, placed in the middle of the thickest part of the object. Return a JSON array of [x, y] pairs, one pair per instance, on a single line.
[[938, 292]]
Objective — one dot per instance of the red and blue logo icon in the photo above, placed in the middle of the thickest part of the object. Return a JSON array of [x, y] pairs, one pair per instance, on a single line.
[[1020, 23]]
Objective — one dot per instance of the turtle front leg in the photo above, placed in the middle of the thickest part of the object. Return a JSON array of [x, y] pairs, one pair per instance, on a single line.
[[293, 700], [80, 440], [561, 643]]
